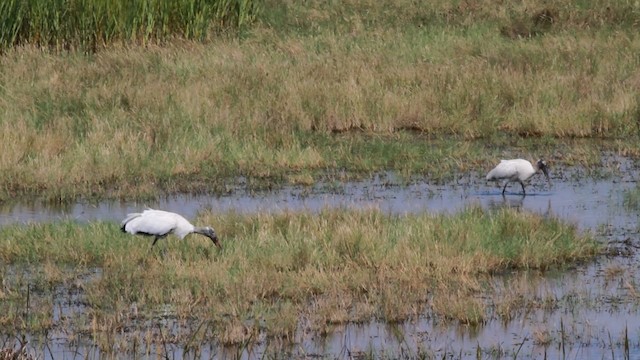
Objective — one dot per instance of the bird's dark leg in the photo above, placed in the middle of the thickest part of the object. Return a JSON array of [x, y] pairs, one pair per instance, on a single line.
[[505, 187], [155, 241], [523, 192]]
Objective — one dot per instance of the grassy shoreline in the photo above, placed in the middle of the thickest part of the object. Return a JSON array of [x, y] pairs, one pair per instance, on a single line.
[[306, 92], [351, 265]]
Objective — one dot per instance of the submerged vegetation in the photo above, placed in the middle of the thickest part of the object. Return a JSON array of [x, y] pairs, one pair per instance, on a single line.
[[316, 88], [351, 265]]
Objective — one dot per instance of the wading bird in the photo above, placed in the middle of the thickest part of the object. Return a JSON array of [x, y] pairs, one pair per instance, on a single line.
[[517, 170], [158, 223]]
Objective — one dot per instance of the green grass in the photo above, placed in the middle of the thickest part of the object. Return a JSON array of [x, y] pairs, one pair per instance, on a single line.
[[317, 88], [632, 199], [352, 265], [90, 25]]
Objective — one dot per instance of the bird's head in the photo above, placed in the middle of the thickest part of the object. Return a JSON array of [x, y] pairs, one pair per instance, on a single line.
[[542, 165], [211, 234]]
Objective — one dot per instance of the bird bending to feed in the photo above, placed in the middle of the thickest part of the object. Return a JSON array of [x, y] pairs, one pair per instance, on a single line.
[[158, 223], [517, 170]]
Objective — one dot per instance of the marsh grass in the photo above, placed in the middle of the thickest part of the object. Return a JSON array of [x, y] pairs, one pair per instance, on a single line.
[[91, 25], [631, 199], [330, 268], [320, 87]]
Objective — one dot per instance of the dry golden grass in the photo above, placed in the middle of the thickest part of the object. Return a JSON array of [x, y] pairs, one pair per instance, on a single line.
[[132, 121], [542, 337]]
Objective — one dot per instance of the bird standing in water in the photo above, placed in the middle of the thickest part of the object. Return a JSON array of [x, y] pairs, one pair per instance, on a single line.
[[517, 170]]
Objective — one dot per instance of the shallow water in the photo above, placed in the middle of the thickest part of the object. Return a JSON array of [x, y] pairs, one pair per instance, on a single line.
[[583, 313], [588, 202]]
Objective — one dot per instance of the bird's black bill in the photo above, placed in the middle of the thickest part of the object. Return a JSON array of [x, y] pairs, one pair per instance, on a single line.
[[216, 242]]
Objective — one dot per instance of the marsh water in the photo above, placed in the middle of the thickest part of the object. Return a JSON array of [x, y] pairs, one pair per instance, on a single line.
[[590, 311]]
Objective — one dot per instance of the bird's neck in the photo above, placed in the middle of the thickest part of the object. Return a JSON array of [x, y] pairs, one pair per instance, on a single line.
[[199, 229], [182, 232]]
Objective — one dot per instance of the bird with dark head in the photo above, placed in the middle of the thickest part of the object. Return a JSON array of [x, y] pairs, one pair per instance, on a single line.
[[543, 166], [208, 232], [517, 170], [159, 224]]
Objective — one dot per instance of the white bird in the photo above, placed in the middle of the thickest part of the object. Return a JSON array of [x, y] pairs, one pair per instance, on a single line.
[[517, 170], [158, 223]]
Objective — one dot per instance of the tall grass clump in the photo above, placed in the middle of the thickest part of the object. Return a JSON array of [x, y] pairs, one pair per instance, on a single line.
[[631, 199], [350, 265], [92, 24]]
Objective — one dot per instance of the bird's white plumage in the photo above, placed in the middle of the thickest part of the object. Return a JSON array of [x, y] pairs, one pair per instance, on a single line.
[[513, 170], [517, 170], [157, 223]]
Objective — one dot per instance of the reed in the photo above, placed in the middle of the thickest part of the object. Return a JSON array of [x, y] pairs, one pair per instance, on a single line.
[[89, 25]]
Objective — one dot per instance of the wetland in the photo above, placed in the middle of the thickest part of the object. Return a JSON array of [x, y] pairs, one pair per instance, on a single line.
[[339, 150], [502, 307]]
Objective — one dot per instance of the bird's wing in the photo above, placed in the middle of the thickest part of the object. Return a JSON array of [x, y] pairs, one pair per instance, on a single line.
[[151, 222], [132, 216], [505, 169]]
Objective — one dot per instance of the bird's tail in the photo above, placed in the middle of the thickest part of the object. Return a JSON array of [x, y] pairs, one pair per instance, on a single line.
[[129, 217]]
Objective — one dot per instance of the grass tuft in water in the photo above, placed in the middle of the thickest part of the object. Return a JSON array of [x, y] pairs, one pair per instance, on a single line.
[[350, 265], [631, 199]]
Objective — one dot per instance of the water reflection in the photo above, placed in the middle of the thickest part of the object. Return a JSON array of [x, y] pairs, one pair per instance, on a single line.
[[511, 202]]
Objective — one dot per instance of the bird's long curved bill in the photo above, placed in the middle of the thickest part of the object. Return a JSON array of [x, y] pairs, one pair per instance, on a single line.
[[216, 242]]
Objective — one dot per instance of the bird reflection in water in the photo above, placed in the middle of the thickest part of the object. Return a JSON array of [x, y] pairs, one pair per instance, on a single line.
[[506, 202]]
